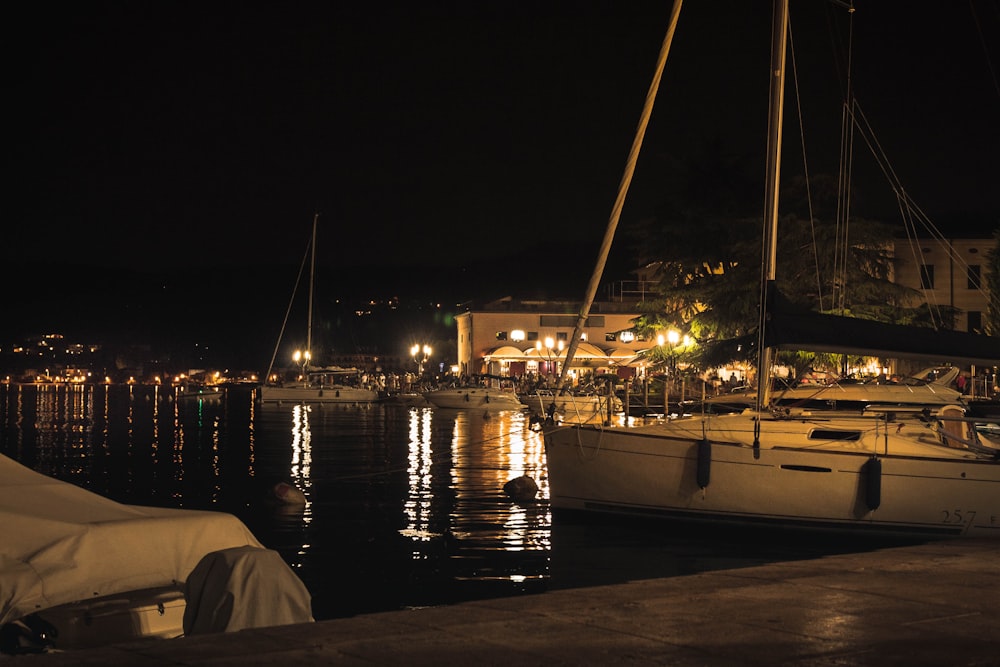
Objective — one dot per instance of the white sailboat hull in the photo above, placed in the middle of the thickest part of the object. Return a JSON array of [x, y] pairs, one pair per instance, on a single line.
[[924, 488], [483, 398], [328, 394]]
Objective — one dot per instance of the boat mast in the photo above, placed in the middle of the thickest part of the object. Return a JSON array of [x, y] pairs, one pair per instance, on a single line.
[[779, 32], [609, 233], [312, 276]]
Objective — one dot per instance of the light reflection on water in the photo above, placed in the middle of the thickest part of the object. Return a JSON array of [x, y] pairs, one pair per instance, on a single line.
[[408, 501], [404, 506]]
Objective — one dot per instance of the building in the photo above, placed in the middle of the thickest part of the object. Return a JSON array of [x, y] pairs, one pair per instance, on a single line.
[[949, 272], [518, 338]]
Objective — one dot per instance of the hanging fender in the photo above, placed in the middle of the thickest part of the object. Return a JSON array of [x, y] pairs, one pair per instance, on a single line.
[[466, 397], [871, 473], [703, 471], [487, 398]]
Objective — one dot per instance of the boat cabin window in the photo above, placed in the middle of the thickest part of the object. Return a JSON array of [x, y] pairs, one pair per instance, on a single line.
[[830, 434]]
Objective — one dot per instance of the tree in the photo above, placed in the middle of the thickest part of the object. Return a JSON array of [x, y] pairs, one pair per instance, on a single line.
[[992, 323]]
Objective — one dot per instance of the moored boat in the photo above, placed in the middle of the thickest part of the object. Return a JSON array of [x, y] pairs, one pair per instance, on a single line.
[[487, 393], [339, 386], [905, 465], [78, 569]]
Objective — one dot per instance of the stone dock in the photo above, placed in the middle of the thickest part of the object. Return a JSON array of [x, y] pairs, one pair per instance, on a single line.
[[929, 604]]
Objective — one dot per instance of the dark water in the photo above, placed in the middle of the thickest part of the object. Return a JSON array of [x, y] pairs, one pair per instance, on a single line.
[[404, 506]]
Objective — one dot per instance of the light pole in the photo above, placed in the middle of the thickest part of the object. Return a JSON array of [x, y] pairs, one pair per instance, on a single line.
[[419, 360], [302, 359], [550, 359]]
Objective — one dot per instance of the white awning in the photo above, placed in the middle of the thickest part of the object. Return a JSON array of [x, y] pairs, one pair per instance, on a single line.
[[504, 353]]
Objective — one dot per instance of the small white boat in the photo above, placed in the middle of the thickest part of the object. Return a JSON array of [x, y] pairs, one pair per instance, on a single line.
[[79, 570], [914, 393], [314, 384], [320, 386], [493, 396]]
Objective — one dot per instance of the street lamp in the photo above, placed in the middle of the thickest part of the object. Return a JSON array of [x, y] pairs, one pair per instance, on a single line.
[[419, 359], [550, 359], [302, 359]]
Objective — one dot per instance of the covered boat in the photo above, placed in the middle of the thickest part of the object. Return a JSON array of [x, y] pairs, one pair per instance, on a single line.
[[69, 558]]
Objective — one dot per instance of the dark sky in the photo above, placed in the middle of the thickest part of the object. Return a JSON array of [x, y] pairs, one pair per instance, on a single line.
[[189, 133]]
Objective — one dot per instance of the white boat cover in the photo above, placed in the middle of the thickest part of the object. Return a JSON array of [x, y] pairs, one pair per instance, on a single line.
[[60, 543]]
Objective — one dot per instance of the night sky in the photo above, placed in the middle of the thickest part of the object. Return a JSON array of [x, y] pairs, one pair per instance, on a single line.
[[187, 135]]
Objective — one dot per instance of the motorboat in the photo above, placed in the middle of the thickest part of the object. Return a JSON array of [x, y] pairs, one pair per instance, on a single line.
[[929, 388], [485, 393], [80, 570]]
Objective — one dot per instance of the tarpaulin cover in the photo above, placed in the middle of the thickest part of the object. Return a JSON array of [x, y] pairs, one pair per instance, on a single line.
[[243, 587], [60, 543]]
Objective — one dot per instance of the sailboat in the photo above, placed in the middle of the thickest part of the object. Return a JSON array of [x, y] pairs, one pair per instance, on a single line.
[[927, 472], [315, 384]]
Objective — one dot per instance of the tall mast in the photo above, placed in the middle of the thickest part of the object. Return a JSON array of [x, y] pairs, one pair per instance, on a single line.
[[312, 276], [779, 32], [609, 233]]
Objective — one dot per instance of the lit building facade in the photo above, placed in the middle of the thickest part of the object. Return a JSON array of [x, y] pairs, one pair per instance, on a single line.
[[515, 338]]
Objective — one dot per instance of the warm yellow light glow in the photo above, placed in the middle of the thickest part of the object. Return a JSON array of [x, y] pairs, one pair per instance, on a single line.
[[673, 337], [517, 335]]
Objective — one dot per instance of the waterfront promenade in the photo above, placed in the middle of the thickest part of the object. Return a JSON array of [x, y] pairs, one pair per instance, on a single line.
[[928, 604]]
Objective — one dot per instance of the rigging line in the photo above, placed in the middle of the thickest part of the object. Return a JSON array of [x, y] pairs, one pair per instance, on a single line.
[[912, 242], [295, 289], [805, 168], [986, 50], [849, 162], [910, 210]]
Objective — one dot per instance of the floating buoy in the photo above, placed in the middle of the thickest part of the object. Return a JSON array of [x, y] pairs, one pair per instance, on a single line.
[[288, 494], [521, 488], [871, 471], [703, 472]]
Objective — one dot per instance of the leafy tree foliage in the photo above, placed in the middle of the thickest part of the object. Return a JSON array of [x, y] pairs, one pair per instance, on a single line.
[[992, 323], [707, 258]]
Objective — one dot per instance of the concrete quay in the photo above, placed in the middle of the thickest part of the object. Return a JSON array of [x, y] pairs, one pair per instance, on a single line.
[[929, 604]]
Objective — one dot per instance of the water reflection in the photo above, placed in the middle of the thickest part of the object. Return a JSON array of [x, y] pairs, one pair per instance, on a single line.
[[405, 503], [417, 505]]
